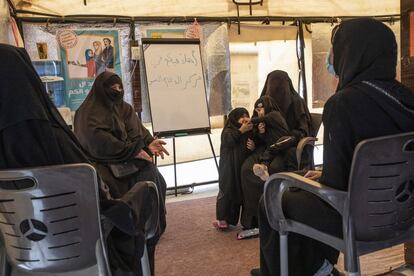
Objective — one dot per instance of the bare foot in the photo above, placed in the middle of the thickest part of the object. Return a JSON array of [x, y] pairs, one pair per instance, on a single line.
[[261, 171]]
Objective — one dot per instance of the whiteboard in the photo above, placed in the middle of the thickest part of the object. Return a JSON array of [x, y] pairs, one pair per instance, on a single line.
[[176, 86]]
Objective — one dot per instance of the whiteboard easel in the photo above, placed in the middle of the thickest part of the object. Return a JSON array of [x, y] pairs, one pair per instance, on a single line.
[[176, 88]]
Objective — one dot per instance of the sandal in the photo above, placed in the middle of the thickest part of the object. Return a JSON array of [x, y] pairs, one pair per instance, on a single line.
[[220, 225]]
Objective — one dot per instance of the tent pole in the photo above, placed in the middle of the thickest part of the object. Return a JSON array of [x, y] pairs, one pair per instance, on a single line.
[[53, 18], [12, 7], [302, 61]]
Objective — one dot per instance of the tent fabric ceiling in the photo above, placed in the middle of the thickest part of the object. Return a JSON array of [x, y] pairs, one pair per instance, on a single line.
[[224, 8]]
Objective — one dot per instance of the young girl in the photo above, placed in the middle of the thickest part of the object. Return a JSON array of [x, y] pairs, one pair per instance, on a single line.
[[269, 126], [235, 146]]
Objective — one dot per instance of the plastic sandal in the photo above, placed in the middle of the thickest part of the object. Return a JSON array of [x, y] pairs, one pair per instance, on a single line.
[[220, 226]]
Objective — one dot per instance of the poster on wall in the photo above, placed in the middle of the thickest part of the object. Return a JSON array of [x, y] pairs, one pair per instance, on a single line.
[[85, 54], [166, 33]]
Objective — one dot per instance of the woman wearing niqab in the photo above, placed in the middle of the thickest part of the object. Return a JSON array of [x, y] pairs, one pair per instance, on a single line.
[[112, 134], [33, 133], [365, 58], [282, 155], [291, 119], [292, 107]]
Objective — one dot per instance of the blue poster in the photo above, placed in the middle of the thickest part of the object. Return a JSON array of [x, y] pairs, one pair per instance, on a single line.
[[86, 54]]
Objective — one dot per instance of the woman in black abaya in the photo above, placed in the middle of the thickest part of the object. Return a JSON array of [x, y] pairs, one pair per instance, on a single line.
[[32, 133], [293, 108], [235, 147], [114, 137], [364, 58]]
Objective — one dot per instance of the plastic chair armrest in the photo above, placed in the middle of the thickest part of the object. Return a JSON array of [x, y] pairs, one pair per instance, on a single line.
[[301, 146], [278, 183]]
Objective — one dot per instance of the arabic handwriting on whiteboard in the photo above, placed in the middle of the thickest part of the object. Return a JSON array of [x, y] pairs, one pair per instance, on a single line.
[[177, 81], [174, 60]]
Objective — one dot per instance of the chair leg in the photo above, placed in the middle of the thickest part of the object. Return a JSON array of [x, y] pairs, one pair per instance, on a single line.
[[145, 265], [4, 271], [352, 263], [284, 262]]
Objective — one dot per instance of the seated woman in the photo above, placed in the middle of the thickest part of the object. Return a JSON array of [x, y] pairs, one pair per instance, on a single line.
[[282, 155], [32, 133], [118, 143], [364, 53], [269, 127], [235, 147]]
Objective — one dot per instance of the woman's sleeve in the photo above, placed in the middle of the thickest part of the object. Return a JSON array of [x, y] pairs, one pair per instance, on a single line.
[[276, 127], [302, 128], [135, 128], [339, 143], [110, 147]]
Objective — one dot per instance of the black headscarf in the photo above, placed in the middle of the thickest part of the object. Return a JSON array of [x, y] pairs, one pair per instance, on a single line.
[[108, 127], [234, 116], [23, 99], [364, 49], [21, 88], [267, 103]]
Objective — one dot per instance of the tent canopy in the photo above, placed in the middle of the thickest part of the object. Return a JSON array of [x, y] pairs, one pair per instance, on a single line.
[[225, 8]]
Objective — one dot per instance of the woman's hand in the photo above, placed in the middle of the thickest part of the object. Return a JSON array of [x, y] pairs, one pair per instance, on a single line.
[[142, 154], [261, 127], [245, 127], [157, 148], [251, 145], [313, 175]]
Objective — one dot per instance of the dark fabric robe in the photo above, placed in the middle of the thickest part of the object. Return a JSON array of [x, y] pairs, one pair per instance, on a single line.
[[252, 186], [111, 132], [33, 133], [364, 50], [293, 108], [233, 151]]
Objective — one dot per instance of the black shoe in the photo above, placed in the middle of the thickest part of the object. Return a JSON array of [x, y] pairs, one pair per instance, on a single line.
[[255, 272]]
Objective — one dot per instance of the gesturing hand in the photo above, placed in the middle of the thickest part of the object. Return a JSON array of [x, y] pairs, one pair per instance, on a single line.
[[157, 148], [245, 127]]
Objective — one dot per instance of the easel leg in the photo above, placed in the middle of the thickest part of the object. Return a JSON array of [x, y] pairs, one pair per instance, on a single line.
[[212, 149], [175, 169]]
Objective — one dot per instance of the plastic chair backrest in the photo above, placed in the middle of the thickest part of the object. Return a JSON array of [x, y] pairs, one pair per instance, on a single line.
[[316, 121], [151, 225], [54, 225], [381, 187]]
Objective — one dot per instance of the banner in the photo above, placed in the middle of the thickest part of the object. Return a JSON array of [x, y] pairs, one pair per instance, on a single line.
[[86, 54]]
